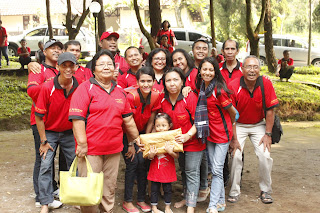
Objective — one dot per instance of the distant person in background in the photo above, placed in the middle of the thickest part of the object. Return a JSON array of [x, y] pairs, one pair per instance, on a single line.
[[166, 31], [164, 44], [3, 43], [24, 53], [39, 54], [218, 57], [285, 66], [143, 53]]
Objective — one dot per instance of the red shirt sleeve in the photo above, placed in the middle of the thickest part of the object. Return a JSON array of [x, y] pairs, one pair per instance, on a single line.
[[131, 101], [127, 109], [34, 85], [225, 100], [192, 100], [157, 104], [80, 102], [271, 97], [43, 101], [172, 33], [19, 50], [122, 81], [290, 62], [279, 62]]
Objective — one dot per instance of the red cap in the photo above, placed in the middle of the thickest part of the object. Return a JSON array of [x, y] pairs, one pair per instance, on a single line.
[[141, 47], [107, 34]]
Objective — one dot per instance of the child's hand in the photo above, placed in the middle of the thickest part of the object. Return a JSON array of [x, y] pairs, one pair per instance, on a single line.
[[169, 147], [152, 152]]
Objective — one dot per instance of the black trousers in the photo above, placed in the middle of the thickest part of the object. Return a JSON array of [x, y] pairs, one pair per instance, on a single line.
[[24, 60], [285, 73], [155, 189]]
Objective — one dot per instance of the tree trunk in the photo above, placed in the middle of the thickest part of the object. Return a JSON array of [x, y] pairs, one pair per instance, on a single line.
[[155, 16], [101, 20], [73, 32], [143, 30], [213, 34], [49, 19], [310, 27], [177, 11], [271, 58], [253, 34]]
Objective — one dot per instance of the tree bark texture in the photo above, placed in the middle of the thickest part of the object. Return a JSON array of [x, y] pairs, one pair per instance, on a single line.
[[310, 32], [253, 34], [49, 19], [155, 16], [178, 5], [143, 30], [101, 20], [271, 58], [213, 34], [73, 32]]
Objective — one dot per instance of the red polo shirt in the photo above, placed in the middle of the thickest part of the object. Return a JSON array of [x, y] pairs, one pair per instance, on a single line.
[[103, 113], [158, 86], [182, 116], [236, 72], [53, 103], [142, 112], [289, 61], [82, 74], [19, 51], [121, 64], [169, 48], [191, 78], [249, 105], [220, 58], [169, 33], [34, 85], [220, 124], [127, 80], [3, 35]]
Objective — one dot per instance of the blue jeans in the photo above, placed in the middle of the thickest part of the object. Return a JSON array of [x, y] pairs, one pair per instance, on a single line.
[[135, 169], [204, 171], [192, 169], [37, 163], [4, 51], [217, 154], [67, 144]]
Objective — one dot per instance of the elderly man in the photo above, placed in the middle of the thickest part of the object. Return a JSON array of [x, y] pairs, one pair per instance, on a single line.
[[247, 97]]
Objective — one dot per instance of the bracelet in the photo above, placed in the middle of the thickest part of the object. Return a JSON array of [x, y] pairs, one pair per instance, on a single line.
[[268, 134], [190, 134]]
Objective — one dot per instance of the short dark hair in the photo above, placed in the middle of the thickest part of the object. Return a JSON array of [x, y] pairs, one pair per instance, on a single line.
[[200, 40], [131, 47], [163, 115], [190, 61], [40, 42], [286, 51], [220, 82], [98, 55], [23, 40], [224, 43], [72, 42], [147, 71], [164, 35], [162, 24], [173, 69], [155, 51]]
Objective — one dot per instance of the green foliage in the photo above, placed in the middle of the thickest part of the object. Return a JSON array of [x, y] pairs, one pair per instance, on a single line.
[[307, 70], [316, 18]]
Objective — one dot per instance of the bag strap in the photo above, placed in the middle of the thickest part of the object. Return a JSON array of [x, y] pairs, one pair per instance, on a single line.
[[263, 96], [74, 166]]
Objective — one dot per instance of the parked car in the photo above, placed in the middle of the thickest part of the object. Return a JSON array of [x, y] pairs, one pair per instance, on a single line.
[[298, 49], [41, 33], [185, 39]]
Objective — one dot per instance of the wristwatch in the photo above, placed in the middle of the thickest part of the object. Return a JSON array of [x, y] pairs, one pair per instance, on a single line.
[[44, 142], [269, 134]]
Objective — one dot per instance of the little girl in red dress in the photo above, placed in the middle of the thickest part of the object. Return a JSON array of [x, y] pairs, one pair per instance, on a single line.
[[162, 168]]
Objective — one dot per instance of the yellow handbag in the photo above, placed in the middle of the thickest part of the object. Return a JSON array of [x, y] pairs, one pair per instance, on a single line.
[[81, 191], [159, 140]]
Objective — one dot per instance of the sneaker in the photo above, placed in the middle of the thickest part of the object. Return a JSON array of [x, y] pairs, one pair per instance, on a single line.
[[55, 204], [56, 194], [37, 204]]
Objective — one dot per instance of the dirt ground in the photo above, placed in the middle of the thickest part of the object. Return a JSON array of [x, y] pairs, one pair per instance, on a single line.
[[296, 175]]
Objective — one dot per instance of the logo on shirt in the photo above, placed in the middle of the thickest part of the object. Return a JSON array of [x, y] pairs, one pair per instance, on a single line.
[[181, 117], [75, 110], [119, 101]]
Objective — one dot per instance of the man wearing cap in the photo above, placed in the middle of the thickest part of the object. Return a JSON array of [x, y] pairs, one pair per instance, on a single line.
[[109, 41], [52, 50], [53, 103]]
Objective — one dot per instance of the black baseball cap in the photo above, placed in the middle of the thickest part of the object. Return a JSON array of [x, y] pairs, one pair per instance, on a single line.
[[67, 56], [52, 42]]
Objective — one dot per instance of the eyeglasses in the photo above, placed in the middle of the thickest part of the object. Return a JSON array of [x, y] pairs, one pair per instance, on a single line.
[[159, 59], [102, 66], [251, 67]]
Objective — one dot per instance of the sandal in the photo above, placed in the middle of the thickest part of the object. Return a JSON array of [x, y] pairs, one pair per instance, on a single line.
[[233, 199], [221, 207], [266, 197], [203, 194]]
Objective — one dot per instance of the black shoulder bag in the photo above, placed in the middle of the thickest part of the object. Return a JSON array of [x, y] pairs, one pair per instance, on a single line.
[[277, 128]]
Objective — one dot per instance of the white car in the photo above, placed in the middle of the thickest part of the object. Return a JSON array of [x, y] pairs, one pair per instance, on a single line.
[[60, 33], [185, 40], [298, 49]]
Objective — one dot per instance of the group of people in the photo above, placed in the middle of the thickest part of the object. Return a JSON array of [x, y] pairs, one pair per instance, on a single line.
[[99, 111]]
